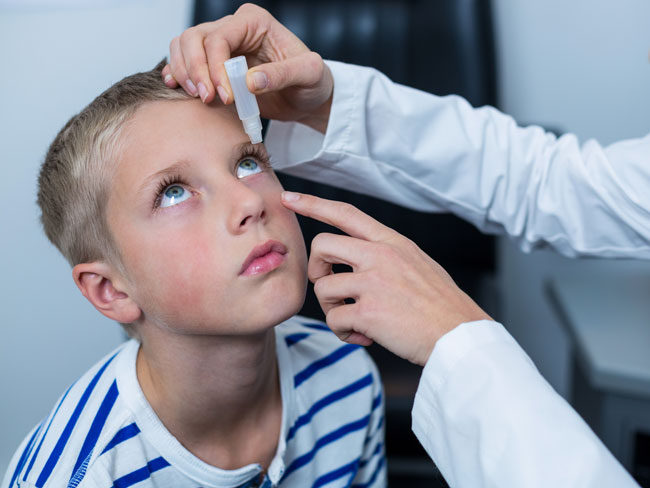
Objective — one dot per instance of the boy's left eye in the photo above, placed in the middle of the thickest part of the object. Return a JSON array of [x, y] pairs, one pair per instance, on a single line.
[[248, 167], [173, 195]]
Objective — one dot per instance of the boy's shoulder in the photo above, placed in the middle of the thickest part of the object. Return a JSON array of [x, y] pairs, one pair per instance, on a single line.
[[306, 336], [314, 351], [88, 420]]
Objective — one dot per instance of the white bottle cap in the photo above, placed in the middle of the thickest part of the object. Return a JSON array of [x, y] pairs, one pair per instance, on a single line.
[[245, 101]]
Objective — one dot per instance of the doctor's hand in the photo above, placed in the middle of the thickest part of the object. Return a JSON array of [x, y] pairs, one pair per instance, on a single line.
[[292, 82], [403, 299]]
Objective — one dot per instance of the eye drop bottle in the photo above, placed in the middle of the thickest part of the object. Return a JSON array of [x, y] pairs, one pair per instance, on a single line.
[[245, 101]]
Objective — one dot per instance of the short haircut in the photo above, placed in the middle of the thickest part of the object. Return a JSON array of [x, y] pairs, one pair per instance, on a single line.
[[73, 184]]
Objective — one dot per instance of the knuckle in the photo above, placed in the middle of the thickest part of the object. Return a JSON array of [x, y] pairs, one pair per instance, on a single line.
[[188, 35], [333, 320], [315, 63], [223, 20], [317, 270], [312, 275], [212, 41], [387, 251], [347, 211], [366, 311], [250, 8], [318, 242], [210, 28], [319, 287], [374, 280]]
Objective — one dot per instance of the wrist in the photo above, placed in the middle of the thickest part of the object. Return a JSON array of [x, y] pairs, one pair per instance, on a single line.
[[318, 118]]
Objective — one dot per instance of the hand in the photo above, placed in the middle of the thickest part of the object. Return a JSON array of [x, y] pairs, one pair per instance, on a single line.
[[403, 299], [292, 82]]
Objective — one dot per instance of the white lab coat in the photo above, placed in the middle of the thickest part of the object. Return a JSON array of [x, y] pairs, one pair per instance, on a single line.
[[482, 411]]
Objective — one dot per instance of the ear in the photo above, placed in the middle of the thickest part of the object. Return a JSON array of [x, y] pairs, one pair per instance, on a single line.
[[98, 282]]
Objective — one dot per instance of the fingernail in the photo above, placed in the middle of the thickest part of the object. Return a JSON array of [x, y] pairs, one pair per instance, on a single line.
[[260, 80], [223, 94], [168, 79], [289, 196], [190, 87], [203, 92]]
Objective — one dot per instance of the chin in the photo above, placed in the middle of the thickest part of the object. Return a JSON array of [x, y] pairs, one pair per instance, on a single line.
[[284, 304]]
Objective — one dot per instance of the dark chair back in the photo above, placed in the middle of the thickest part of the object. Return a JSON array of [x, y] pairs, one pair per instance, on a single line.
[[440, 46]]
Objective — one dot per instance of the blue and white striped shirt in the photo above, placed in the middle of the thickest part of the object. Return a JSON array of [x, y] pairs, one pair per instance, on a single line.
[[103, 432]]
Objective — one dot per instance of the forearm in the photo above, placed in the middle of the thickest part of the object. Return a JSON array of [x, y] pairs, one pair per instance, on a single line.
[[439, 154], [487, 418]]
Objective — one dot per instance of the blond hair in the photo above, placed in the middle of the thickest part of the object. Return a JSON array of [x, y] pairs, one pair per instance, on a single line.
[[73, 182], [74, 179]]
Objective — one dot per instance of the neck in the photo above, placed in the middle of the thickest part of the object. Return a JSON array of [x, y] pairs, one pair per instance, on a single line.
[[212, 392]]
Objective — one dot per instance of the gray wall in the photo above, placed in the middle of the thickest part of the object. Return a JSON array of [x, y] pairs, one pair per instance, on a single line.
[[55, 61], [580, 65]]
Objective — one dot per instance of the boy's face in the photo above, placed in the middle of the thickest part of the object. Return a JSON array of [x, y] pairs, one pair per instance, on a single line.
[[195, 211]]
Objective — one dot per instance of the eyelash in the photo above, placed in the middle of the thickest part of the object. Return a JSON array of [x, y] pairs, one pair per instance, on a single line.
[[252, 152]]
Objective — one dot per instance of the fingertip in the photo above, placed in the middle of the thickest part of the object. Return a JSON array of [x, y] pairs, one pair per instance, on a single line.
[[204, 93], [223, 94], [170, 81], [290, 197]]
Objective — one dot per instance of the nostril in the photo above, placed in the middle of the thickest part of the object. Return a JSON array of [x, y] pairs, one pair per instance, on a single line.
[[253, 218]]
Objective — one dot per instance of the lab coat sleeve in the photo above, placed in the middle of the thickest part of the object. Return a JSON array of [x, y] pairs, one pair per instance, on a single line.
[[439, 154], [488, 419]]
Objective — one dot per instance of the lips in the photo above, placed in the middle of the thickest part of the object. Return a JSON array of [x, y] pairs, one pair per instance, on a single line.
[[264, 258]]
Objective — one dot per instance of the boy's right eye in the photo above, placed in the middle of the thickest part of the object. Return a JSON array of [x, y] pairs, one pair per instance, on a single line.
[[173, 195]]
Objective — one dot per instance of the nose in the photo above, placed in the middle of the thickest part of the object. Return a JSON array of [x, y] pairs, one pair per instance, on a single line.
[[247, 208]]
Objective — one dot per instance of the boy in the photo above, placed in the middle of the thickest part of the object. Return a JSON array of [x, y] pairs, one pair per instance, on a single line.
[[173, 224]]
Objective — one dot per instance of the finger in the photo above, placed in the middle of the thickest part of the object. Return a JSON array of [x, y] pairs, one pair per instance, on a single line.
[[342, 215], [328, 249], [196, 63], [304, 70], [178, 69], [168, 79], [218, 51], [332, 290], [240, 33], [342, 321]]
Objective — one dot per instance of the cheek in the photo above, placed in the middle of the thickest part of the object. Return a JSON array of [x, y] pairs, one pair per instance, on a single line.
[[176, 276]]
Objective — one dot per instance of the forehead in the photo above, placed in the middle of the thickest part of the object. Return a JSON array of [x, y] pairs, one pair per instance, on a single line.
[[180, 120], [163, 133]]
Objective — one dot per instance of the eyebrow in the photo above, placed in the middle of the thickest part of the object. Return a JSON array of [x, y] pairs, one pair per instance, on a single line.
[[247, 147], [158, 175]]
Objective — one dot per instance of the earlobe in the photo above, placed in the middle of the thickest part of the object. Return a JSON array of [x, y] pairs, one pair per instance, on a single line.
[[96, 282]]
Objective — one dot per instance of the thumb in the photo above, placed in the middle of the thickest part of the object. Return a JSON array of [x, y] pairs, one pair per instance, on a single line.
[[304, 70]]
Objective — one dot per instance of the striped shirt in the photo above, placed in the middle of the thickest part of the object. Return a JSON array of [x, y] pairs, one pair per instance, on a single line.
[[103, 433]]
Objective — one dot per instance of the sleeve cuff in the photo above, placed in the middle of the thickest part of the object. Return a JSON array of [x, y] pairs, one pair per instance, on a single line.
[[291, 144], [448, 352]]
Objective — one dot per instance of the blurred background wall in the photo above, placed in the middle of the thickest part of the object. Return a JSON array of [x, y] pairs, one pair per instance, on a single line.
[[57, 56], [579, 66]]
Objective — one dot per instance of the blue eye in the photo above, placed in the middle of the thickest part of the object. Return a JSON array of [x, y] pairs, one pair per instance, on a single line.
[[173, 195], [248, 167]]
